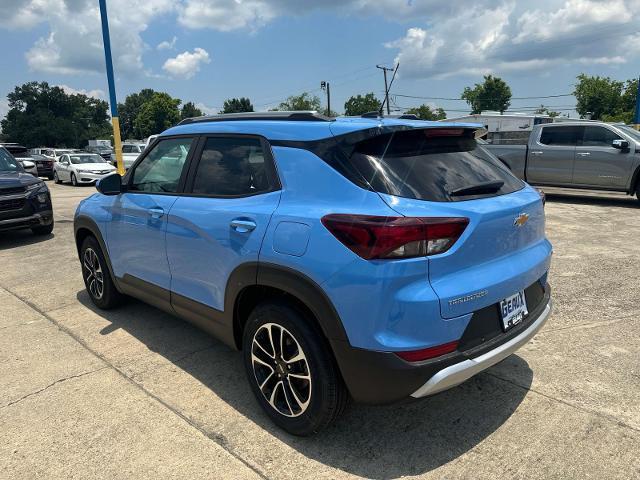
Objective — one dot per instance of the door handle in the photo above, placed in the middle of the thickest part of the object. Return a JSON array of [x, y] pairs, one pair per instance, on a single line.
[[243, 226], [583, 154], [536, 153], [156, 212]]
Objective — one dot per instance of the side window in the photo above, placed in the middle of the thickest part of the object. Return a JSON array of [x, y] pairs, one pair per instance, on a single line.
[[560, 136], [126, 149], [598, 137], [160, 170], [233, 167]]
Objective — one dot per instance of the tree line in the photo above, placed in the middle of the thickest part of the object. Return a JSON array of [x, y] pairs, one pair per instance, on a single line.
[[44, 115]]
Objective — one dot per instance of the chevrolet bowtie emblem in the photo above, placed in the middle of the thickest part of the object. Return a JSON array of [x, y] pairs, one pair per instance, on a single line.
[[521, 220]]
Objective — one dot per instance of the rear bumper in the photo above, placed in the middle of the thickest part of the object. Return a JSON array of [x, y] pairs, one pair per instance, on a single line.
[[383, 377], [460, 372]]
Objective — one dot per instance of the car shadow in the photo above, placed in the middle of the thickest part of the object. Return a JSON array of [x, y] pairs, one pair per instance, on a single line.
[[20, 238], [374, 442], [598, 201]]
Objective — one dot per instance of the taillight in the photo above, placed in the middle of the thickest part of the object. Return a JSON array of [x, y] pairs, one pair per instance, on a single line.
[[427, 353], [373, 237]]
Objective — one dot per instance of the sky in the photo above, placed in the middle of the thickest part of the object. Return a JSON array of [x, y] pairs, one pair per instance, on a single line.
[[206, 51]]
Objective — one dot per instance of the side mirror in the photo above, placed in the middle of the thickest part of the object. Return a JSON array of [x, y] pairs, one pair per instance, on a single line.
[[620, 144], [110, 185]]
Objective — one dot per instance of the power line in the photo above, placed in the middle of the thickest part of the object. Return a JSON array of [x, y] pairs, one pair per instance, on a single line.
[[463, 100]]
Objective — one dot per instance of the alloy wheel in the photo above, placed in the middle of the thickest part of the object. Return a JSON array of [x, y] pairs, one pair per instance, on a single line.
[[93, 273], [281, 370]]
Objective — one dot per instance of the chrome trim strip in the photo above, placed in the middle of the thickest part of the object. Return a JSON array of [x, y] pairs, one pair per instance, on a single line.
[[456, 374]]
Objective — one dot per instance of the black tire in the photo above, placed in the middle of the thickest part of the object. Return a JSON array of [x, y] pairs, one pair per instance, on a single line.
[[74, 180], [95, 270], [43, 229], [299, 406], [50, 177], [638, 191], [56, 179]]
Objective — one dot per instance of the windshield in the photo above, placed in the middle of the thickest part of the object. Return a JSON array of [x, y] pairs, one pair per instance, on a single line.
[[88, 158], [8, 163], [632, 132], [19, 152], [441, 165]]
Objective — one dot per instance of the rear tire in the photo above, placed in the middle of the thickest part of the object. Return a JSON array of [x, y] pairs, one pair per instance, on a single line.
[[96, 276], [49, 177], [56, 179], [291, 369]]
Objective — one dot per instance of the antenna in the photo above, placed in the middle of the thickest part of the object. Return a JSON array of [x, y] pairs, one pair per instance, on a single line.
[[386, 93]]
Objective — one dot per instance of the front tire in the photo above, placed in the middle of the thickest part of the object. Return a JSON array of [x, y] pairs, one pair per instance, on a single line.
[[56, 179], [95, 273], [291, 369], [74, 180]]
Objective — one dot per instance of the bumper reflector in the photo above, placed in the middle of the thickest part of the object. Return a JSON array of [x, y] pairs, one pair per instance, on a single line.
[[427, 353]]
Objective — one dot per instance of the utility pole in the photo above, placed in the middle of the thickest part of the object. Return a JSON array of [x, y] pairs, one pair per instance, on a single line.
[[112, 88], [636, 118], [386, 87], [326, 86]]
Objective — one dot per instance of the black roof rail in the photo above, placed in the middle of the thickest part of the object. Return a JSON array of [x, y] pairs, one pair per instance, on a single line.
[[298, 116]]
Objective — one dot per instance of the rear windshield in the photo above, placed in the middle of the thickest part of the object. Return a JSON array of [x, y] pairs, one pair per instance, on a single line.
[[445, 166]]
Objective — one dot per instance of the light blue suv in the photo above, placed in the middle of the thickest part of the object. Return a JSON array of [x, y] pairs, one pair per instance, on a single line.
[[368, 258]]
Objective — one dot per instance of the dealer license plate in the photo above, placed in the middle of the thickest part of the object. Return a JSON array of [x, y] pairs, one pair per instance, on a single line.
[[513, 310]]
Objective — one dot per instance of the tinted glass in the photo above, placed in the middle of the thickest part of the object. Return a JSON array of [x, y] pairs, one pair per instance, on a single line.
[[126, 149], [8, 163], [232, 166], [415, 164], [598, 137], [632, 132], [161, 169], [560, 136]]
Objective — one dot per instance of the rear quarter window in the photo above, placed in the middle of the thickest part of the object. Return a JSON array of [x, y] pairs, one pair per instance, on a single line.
[[422, 165]]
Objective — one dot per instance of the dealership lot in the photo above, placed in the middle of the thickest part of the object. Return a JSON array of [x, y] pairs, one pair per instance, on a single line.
[[136, 393]]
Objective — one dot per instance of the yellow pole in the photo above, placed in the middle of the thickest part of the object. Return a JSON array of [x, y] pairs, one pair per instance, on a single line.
[[117, 144]]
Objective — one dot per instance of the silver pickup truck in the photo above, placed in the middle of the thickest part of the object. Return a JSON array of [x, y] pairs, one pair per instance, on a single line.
[[585, 155]]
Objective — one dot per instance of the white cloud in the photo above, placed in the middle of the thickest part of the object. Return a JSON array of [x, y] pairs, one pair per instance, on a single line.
[[74, 42], [167, 45], [206, 109], [97, 93], [4, 107], [186, 64]]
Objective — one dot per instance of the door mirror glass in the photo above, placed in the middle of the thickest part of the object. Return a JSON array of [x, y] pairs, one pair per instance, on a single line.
[[620, 144], [110, 185]]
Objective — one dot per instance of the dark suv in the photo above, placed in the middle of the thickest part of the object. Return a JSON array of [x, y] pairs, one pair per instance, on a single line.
[[25, 201]]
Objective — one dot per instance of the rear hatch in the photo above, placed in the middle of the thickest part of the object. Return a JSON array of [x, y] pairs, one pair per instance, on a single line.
[[442, 172]]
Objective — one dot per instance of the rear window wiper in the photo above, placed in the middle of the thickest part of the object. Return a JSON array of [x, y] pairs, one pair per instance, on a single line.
[[478, 189]]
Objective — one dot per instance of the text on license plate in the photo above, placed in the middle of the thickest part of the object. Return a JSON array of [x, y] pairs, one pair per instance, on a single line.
[[513, 310]]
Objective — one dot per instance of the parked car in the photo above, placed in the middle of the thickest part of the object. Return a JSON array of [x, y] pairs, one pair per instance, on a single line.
[[379, 259], [25, 201], [22, 155], [45, 151], [130, 153], [585, 155], [80, 168], [103, 151], [44, 165]]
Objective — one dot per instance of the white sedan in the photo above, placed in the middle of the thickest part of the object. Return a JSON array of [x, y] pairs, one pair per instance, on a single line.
[[79, 168]]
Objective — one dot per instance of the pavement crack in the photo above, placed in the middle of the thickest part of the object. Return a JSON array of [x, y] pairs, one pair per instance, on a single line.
[[60, 380], [604, 416]]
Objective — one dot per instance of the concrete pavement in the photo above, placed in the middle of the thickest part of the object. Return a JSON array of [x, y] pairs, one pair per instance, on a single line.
[[136, 393]]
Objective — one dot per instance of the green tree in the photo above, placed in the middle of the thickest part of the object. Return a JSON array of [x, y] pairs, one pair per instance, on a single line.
[[158, 114], [492, 94], [129, 110], [304, 101], [237, 105], [424, 112], [42, 115], [359, 105], [189, 110], [598, 97], [542, 110]]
